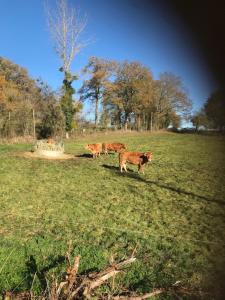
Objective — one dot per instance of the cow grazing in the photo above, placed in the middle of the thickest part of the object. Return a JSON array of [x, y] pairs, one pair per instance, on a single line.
[[95, 149], [135, 158], [115, 147]]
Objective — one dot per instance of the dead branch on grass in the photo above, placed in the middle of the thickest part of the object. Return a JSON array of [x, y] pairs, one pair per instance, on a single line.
[[82, 286], [17, 296], [140, 297]]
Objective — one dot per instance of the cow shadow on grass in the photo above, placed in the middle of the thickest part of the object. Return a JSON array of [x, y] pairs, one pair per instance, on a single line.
[[134, 175], [116, 169], [88, 155], [84, 155]]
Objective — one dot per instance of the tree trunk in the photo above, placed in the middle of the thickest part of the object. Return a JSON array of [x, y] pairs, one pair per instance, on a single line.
[[126, 121], [125, 125], [151, 121], [9, 125], [119, 120], [34, 124], [148, 121], [138, 122], [96, 111]]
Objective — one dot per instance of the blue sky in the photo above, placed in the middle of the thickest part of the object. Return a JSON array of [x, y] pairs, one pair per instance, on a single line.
[[146, 31]]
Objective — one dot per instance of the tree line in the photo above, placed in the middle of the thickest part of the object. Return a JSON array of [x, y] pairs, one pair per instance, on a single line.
[[129, 96], [123, 95], [212, 114], [28, 107]]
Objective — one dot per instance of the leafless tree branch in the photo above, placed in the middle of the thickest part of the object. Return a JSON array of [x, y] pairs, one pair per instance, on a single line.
[[66, 26]]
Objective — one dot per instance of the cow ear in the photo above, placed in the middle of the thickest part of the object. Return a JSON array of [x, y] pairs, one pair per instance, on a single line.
[[148, 154]]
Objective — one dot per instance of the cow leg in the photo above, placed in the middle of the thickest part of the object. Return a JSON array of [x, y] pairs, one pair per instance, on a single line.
[[141, 169], [123, 166]]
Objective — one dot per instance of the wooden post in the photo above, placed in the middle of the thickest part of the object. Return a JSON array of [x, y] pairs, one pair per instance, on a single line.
[[151, 121], [96, 112], [9, 125], [34, 124]]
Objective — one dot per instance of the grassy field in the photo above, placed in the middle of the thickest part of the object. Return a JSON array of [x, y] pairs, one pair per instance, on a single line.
[[174, 214]]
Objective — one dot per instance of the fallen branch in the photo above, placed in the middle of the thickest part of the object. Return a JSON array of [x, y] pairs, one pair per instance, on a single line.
[[79, 287], [96, 283], [72, 274], [145, 296], [17, 296], [99, 278], [90, 282], [158, 291], [118, 266]]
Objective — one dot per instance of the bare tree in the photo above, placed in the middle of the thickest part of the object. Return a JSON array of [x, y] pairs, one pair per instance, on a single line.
[[171, 99], [66, 26]]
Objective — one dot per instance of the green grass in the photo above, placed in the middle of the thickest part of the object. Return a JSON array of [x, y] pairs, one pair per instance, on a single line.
[[174, 214]]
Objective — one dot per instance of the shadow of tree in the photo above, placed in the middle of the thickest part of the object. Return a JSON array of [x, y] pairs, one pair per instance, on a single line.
[[138, 177], [144, 285], [32, 269]]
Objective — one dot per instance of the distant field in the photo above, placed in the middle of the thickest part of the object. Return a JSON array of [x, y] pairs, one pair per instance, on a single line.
[[174, 214]]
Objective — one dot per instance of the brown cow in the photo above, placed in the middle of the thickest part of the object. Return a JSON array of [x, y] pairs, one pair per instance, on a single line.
[[135, 158], [116, 147], [50, 141], [95, 149]]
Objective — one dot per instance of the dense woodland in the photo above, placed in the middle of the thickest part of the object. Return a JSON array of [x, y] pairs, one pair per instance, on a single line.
[[122, 95]]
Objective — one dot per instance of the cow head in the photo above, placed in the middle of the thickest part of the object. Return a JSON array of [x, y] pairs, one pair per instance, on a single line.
[[122, 148], [148, 156]]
